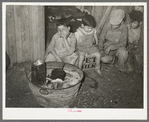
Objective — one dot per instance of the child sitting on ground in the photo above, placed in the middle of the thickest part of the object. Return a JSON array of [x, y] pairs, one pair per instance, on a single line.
[[63, 44], [134, 33], [86, 36]]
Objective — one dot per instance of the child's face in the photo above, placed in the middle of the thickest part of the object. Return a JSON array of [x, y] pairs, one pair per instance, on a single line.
[[135, 24], [63, 30], [88, 28]]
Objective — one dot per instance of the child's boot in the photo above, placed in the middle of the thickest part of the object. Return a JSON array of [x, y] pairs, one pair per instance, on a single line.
[[98, 71]]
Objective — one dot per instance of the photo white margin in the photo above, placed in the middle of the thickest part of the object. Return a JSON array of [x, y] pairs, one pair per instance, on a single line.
[[63, 113]]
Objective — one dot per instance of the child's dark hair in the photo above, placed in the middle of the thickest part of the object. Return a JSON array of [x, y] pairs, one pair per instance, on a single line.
[[136, 16], [62, 21], [89, 20], [74, 25]]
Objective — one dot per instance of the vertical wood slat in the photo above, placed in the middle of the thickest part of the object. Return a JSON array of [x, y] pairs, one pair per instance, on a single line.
[[108, 18], [104, 18], [42, 27], [10, 34], [18, 15], [35, 34], [25, 34], [98, 14], [93, 10], [38, 32], [31, 34]]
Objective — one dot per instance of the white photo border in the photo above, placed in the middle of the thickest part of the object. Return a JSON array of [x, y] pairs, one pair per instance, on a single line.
[[64, 113]]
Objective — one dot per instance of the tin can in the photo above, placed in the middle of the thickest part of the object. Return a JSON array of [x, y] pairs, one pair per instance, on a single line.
[[38, 72]]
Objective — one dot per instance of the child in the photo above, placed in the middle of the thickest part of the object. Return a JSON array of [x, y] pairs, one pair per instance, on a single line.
[[113, 40], [86, 36], [134, 32], [62, 46]]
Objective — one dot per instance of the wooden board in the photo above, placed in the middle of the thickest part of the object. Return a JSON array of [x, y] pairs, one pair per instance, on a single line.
[[10, 35], [98, 14], [89, 62], [25, 29], [38, 29], [41, 31], [31, 33], [17, 15], [35, 32], [104, 19]]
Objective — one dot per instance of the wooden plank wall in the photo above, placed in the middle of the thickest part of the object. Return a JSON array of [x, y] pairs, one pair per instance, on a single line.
[[25, 33], [10, 35], [25, 30]]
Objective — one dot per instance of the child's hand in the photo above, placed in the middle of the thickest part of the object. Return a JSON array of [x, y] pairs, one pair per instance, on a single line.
[[64, 35], [108, 49]]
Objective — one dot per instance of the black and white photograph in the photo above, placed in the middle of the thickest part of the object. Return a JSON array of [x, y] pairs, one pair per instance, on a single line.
[[74, 60]]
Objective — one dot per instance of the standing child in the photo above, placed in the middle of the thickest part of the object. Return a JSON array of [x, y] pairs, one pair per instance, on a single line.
[[134, 37], [86, 35], [63, 44]]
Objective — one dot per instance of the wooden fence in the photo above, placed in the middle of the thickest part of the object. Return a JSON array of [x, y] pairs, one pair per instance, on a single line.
[[25, 33]]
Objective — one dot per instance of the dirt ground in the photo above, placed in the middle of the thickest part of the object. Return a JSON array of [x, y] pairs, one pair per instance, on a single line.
[[114, 90]]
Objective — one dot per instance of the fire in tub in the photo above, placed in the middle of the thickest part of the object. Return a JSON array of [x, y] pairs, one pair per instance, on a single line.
[[61, 86]]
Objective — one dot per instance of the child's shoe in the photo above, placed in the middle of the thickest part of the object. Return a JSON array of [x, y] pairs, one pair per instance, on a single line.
[[98, 72]]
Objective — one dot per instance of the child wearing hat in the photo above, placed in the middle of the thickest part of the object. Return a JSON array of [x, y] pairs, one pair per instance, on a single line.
[[134, 37], [86, 37], [63, 44], [113, 40]]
